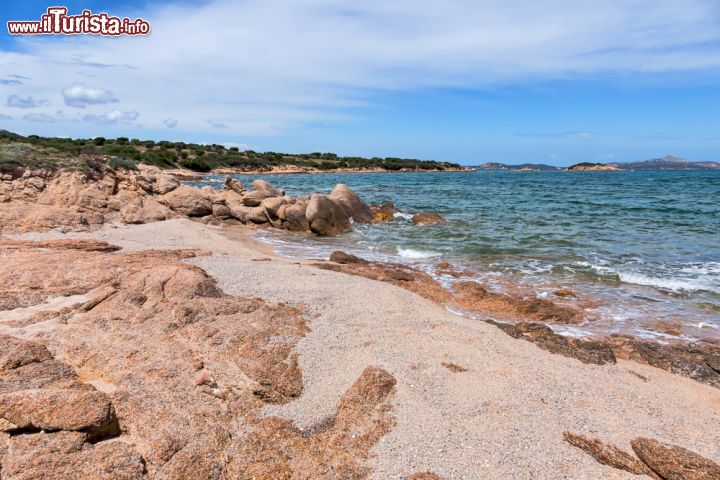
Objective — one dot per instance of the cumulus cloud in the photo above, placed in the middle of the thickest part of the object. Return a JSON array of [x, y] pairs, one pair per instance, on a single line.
[[114, 116], [269, 83], [170, 122], [80, 96], [25, 102]]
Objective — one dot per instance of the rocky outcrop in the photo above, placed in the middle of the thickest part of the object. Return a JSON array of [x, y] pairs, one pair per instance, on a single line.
[[188, 201], [654, 459], [274, 448], [157, 372], [473, 297], [40, 394], [699, 362], [671, 462], [541, 335], [33, 200]]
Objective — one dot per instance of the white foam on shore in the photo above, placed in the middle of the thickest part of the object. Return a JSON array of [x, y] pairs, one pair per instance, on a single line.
[[413, 254], [674, 284]]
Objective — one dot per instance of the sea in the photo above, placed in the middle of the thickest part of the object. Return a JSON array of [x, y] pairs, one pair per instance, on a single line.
[[639, 250]]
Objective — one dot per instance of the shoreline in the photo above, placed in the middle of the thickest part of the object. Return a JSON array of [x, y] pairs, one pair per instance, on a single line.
[[500, 407], [181, 173], [144, 331]]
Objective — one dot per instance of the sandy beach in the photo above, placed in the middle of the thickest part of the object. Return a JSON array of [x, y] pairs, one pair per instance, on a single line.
[[502, 416]]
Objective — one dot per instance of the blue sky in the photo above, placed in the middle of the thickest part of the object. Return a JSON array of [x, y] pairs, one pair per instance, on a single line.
[[471, 81]]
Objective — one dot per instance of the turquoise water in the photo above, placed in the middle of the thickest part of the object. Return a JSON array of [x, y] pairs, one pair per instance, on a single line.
[[643, 246]]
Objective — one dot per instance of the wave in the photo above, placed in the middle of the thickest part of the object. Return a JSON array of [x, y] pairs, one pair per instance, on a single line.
[[413, 254], [673, 284]]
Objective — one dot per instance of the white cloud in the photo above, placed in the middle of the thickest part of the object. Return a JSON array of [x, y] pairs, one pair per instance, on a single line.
[[114, 116], [576, 135], [25, 102], [5, 117], [324, 58], [80, 96], [216, 124], [40, 117], [170, 122]]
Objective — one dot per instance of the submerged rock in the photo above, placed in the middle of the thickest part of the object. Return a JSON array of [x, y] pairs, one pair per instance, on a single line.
[[428, 218], [384, 213]]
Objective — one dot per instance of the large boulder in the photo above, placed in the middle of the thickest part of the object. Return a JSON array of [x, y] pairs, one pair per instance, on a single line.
[[326, 217], [293, 217], [165, 184], [260, 191], [332, 214], [246, 214], [188, 201], [351, 204], [144, 210]]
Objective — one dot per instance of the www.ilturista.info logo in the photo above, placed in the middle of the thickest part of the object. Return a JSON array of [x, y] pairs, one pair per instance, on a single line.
[[57, 22]]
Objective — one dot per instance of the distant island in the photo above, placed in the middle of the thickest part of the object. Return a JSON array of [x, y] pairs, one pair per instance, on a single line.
[[592, 167], [666, 163], [67, 153]]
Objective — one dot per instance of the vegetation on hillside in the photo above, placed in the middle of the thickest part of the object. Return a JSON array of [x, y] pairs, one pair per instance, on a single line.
[[34, 150]]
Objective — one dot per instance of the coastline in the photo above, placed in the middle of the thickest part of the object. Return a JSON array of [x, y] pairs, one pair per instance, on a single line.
[[181, 174], [503, 408], [140, 317]]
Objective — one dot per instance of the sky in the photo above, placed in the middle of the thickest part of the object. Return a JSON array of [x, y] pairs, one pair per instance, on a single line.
[[468, 81]]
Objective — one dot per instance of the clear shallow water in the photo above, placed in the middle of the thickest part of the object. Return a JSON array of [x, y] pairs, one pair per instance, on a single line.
[[644, 246]]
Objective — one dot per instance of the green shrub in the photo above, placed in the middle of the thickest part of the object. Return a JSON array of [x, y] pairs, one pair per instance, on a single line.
[[124, 163], [195, 164]]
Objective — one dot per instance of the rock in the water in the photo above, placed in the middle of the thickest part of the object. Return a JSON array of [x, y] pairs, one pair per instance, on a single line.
[[188, 201], [351, 204], [326, 217], [428, 218], [384, 213], [294, 218], [474, 297], [674, 463]]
